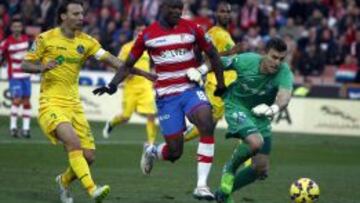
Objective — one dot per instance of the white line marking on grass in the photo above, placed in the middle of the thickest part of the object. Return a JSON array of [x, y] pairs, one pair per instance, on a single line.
[[101, 142]]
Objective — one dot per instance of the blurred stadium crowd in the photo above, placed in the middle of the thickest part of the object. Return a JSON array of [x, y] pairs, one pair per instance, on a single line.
[[323, 35]]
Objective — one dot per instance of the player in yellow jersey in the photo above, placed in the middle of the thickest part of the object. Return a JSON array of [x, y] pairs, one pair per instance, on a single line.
[[224, 44], [58, 54], [137, 95]]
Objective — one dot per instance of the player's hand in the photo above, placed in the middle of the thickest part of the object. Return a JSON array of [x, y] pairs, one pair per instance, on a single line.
[[49, 66], [220, 91], [195, 76], [265, 110], [110, 89]]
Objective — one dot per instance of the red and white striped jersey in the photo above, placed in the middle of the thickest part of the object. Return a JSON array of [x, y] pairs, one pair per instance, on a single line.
[[172, 52], [14, 51]]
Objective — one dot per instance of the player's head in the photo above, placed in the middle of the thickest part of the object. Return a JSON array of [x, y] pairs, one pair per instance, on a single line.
[[16, 26], [172, 11], [223, 13], [140, 25], [275, 53], [71, 14]]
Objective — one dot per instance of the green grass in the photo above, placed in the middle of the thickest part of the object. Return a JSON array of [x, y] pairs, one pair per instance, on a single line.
[[28, 168]]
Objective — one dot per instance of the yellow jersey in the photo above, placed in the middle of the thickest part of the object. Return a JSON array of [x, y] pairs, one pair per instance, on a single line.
[[222, 41], [142, 63], [60, 85]]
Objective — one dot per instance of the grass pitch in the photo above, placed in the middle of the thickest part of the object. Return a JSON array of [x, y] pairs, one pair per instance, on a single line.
[[28, 168]]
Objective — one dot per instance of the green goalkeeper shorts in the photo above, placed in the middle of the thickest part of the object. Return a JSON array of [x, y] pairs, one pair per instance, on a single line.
[[242, 122]]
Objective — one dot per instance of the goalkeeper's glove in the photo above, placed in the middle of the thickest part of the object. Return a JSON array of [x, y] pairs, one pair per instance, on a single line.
[[109, 89], [265, 110], [194, 75]]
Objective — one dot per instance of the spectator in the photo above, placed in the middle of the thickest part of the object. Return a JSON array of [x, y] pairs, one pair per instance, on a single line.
[[30, 12], [311, 61], [346, 72]]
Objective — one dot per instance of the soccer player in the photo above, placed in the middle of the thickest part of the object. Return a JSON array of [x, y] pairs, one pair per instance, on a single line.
[[138, 94], [224, 44], [170, 42], [14, 48], [58, 54], [262, 88]]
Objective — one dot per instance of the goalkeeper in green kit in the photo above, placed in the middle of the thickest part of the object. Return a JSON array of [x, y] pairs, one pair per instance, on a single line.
[[262, 88]]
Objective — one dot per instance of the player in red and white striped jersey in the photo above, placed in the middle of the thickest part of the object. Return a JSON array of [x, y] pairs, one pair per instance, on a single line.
[[170, 43], [13, 49]]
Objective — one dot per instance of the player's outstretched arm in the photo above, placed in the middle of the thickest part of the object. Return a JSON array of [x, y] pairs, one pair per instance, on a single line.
[[218, 68], [36, 67], [238, 48], [150, 76], [282, 100], [123, 70]]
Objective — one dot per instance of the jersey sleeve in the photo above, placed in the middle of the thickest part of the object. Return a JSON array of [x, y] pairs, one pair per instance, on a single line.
[[95, 49], [3, 48], [139, 46], [124, 52], [228, 61], [221, 42], [285, 78], [202, 39], [37, 49]]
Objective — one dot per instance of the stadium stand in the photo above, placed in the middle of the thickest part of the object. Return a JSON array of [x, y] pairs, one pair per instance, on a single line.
[[322, 34]]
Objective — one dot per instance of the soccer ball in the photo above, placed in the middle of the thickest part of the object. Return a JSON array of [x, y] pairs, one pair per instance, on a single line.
[[304, 190]]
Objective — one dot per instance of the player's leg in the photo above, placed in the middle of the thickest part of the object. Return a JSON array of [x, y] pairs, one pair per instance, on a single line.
[[241, 124], [172, 125], [26, 87], [260, 162], [26, 117], [151, 129], [217, 110], [128, 107], [146, 106], [199, 113], [16, 93], [249, 174], [65, 133]]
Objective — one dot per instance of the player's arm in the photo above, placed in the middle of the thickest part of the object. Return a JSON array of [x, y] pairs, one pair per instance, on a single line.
[[238, 48], [122, 72], [117, 64], [32, 61], [283, 96], [29, 66]]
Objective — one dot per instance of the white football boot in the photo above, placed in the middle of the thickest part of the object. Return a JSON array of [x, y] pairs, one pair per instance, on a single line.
[[147, 158], [65, 195], [203, 193]]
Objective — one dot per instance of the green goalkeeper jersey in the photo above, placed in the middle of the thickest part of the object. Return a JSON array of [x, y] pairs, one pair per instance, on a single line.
[[251, 86]]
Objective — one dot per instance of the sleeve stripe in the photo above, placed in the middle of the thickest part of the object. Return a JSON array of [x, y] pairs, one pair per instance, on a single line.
[[99, 54]]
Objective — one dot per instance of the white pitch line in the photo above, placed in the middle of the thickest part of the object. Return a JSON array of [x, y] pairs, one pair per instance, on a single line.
[[101, 142]]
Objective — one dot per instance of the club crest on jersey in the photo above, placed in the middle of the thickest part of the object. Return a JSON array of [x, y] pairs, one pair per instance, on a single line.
[[80, 49]]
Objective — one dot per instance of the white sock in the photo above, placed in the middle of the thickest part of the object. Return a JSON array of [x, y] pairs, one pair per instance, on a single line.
[[13, 116], [159, 150], [26, 119], [205, 153]]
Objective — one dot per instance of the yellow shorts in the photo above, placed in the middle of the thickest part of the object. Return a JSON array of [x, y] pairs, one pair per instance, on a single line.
[[51, 116], [140, 100], [216, 102]]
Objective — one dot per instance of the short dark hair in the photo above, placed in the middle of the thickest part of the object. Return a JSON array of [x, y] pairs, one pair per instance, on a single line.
[[222, 2], [276, 44], [63, 8]]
